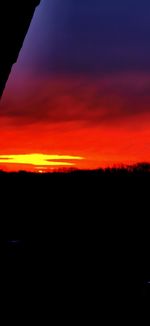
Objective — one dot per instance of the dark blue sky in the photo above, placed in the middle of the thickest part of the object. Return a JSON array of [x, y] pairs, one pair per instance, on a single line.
[[89, 36]]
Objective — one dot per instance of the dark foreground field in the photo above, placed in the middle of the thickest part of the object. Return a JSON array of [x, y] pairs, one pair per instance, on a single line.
[[78, 241]]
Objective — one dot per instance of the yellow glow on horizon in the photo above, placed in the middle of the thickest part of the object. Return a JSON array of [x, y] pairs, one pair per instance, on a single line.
[[39, 159]]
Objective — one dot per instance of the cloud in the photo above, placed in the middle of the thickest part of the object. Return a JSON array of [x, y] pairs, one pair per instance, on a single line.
[[78, 99]]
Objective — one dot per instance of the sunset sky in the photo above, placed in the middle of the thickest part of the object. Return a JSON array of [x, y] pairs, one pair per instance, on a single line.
[[79, 95]]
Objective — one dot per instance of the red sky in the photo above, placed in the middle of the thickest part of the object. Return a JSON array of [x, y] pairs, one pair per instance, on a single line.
[[77, 117]]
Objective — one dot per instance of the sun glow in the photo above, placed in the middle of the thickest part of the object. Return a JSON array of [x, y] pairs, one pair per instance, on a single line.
[[40, 159]]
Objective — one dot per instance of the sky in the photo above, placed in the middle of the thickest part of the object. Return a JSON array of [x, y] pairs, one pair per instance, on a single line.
[[79, 95]]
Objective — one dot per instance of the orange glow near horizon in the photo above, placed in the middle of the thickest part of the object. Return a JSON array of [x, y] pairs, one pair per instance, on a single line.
[[81, 147], [76, 146], [73, 145]]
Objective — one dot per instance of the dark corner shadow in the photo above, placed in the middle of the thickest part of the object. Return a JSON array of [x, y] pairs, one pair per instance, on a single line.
[[15, 18]]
